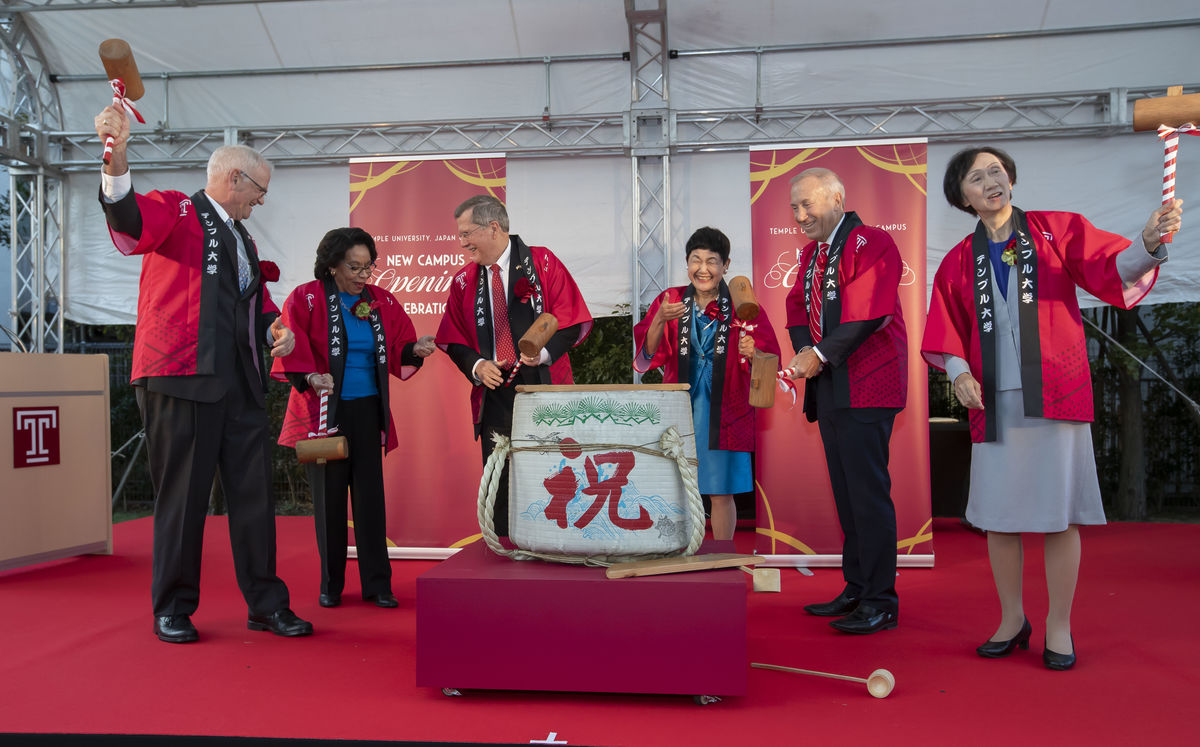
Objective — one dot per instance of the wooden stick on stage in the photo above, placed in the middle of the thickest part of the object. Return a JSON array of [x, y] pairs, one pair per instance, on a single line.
[[122, 72], [681, 564], [879, 683]]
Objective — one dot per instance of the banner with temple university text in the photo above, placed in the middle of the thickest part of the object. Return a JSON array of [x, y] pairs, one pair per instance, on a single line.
[[432, 479], [886, 185]]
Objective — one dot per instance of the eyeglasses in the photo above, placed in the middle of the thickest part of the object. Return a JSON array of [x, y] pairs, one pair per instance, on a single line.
[[360, 269], [462, 235], [261, 188]]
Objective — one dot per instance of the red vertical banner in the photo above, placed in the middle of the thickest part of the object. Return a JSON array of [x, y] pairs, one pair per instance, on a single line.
[[432, 480], [885, 184]]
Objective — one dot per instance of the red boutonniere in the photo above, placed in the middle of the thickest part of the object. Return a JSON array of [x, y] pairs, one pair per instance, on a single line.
[[523, 290], [362, 309], [1009, 255], [712, 311], [268, 271]]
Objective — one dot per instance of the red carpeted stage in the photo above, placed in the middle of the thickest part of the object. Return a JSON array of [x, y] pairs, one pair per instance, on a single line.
[[77, 656]]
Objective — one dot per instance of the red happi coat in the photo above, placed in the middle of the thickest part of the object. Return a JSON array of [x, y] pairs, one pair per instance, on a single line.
[[736, 431], [170, 337], [868, 282], [1070, 252], [305, 313], [561, 297]]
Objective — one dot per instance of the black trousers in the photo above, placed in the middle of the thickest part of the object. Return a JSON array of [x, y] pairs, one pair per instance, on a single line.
[[497, 418], [188, 443], [856, 454], [362, 473]]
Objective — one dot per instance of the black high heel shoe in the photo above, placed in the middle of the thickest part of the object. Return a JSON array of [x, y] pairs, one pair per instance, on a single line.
[[1059, 662], [997, 649]]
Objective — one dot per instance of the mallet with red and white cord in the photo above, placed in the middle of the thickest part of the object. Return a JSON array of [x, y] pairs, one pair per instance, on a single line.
[[125, 80], [322, 445], [1170, 116]]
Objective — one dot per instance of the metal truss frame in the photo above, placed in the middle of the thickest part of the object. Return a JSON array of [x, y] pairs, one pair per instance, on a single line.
[[30, 110], [40, 151], [642, 131]]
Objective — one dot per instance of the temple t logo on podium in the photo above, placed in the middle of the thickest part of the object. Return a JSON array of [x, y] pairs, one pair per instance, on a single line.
[[35, 436]]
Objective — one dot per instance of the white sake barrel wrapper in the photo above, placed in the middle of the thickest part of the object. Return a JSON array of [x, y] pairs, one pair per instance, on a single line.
[[568, 497]]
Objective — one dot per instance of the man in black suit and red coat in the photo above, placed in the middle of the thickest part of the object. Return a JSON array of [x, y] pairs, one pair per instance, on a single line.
[[845, 321], [204, 319], [521, 282]]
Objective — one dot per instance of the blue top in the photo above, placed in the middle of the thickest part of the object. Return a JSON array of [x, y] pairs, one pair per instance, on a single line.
[[359, 378], [999, 266]]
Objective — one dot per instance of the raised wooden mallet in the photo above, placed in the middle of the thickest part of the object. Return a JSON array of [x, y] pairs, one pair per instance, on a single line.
[[538, 334], [126, 81], [880, 683], [532, 342], [1170, 115], [741, 292], [764, 365]]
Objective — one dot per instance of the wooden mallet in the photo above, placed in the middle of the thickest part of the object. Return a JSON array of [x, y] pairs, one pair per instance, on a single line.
[[534, 339], [764, 365], [124, 78], [880, 683], [1169, 115], [322, 447]]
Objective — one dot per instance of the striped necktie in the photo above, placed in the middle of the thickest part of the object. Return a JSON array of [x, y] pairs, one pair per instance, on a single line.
[[243, 263], [505, 350], [816, 293]]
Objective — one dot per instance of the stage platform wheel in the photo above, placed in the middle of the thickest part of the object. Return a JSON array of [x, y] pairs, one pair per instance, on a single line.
[[451, 692], [703, 700]]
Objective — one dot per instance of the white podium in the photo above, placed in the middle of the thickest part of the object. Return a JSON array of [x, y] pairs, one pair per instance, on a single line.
[[55, 468]]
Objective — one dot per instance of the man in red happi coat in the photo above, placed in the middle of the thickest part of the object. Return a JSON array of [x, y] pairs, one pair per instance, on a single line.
[[846, 325], [506, 277], [204, 320]]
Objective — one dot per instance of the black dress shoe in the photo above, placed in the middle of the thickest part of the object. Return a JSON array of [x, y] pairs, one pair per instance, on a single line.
[[386, 599], [841, 606], [175, 629], [329, 600], [281, 622], [866, 619], [997, 649], [1059, 662]]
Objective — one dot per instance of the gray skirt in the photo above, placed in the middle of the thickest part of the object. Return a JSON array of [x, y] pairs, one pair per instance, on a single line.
[[1039, 475]]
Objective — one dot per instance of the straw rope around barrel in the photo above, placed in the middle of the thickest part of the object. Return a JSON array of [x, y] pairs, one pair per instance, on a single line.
[[669, 446]]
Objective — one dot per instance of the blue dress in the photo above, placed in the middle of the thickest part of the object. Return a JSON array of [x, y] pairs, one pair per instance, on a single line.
[[720, 472]]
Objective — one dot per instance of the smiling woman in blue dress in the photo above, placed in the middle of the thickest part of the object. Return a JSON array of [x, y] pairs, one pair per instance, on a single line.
[[686, 331]]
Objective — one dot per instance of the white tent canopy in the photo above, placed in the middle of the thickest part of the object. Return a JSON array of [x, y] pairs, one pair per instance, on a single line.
[[249, 65]]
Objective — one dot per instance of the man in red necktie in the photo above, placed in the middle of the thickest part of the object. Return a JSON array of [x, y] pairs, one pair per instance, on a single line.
[[493, 300], [846, 325]]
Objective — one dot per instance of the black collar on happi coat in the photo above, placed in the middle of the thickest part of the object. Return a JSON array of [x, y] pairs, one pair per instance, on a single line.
[[831, 304], [720, 350], [219, 264], [985, 319], [338, 344]]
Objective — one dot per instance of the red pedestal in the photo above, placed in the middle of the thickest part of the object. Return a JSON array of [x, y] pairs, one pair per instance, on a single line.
[[484, 621]]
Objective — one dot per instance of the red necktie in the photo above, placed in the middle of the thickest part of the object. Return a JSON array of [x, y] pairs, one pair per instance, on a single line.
[[505, 351], [816, 292]]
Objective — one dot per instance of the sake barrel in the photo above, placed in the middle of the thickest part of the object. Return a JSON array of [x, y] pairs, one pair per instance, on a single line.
[[587, 475]]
